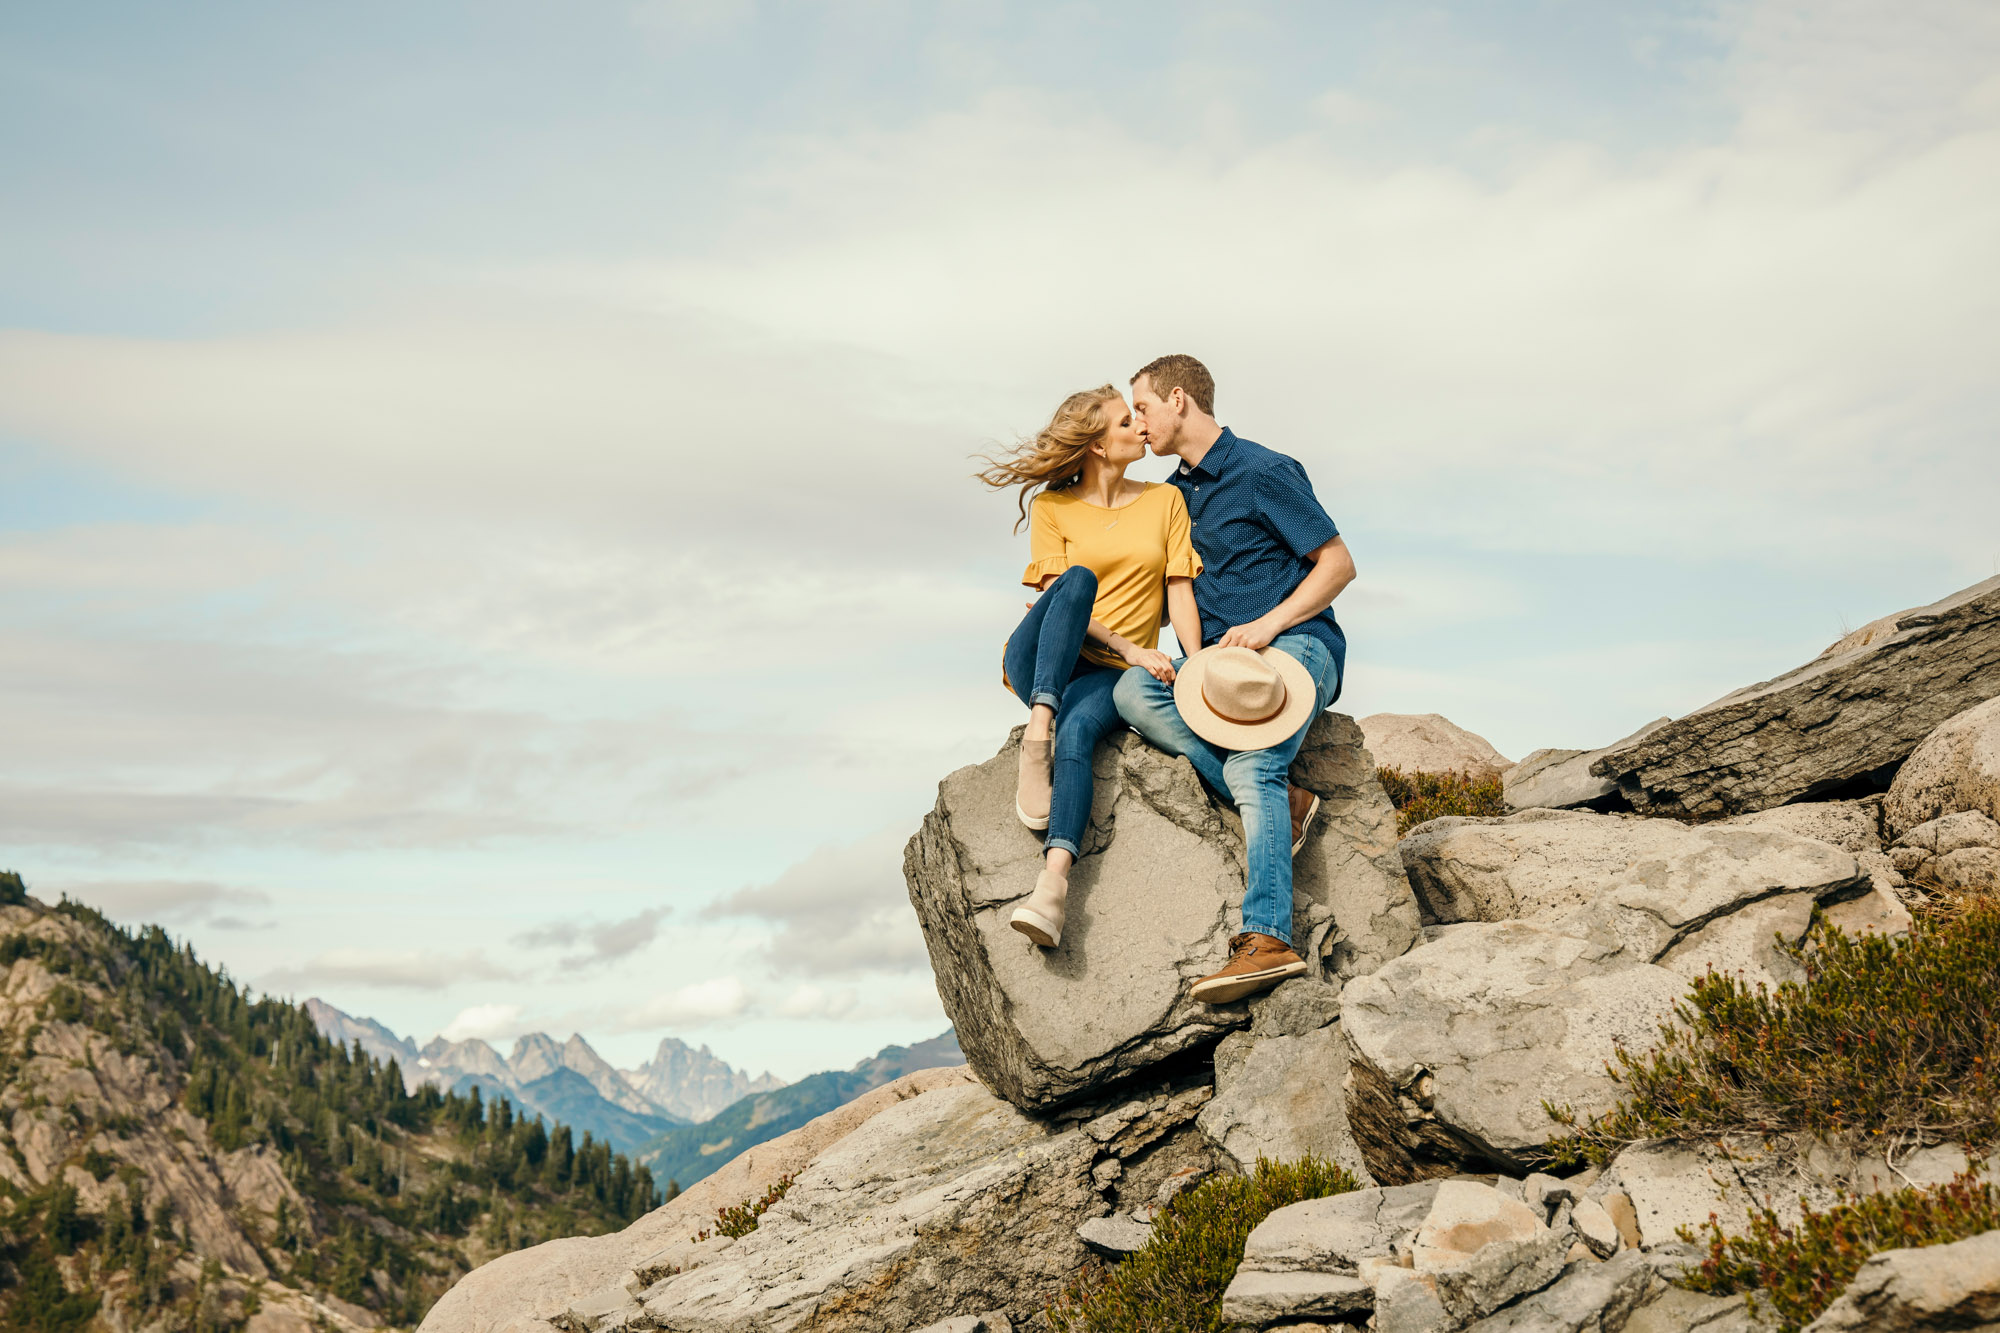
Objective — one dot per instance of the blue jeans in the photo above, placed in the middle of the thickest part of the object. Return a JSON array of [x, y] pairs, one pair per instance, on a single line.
[[1255, 779], [1045, 665]]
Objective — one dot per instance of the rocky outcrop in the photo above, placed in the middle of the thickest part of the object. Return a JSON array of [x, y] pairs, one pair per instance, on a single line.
[[1430, 743], [1956, 768], [1152, 906], [520, 1292], [1841, 719], [950, 1201]]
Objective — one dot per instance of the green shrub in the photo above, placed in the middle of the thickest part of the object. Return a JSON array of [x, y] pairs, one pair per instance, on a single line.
[[1175, 1284], [1424, 796], [12, 891], [741, 1219], [1884, 1037], [1798, 1271]]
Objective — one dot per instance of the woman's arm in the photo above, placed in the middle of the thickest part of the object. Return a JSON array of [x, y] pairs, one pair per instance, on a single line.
[[1154, 661], [1183, 615]]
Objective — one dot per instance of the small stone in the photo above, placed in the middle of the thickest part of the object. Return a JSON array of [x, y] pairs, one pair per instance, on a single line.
[[1117, 1235], [1407, 1302], [1617, 1204], [1595, 1228], [1579, 1253], [1106, 1173]]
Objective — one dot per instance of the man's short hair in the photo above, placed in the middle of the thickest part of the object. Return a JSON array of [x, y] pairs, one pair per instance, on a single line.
[[1183, 372]]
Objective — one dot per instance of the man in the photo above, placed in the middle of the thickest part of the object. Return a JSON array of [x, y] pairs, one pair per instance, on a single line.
[[1272, 564]]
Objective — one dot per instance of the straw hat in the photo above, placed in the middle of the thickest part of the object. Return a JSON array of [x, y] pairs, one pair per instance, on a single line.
[[1244, 700]]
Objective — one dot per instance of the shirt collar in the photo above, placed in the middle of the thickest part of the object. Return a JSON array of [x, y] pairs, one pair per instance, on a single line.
[[1215, 459]]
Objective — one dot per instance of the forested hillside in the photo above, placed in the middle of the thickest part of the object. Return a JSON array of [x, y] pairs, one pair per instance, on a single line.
[[179, 1156]]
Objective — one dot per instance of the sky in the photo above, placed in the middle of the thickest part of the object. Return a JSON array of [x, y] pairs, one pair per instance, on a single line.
[[486, 525]]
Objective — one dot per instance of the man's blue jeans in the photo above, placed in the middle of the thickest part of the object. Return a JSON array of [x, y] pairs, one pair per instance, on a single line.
[[1255, 779], [1044, 665]]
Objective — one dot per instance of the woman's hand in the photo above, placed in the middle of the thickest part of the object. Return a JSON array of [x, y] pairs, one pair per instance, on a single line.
[[1156, 663]]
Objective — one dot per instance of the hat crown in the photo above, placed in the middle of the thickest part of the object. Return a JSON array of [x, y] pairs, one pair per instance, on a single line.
[[1242, 687]]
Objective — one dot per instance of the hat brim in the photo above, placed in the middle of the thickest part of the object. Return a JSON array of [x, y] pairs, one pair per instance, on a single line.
[[1301, 693]]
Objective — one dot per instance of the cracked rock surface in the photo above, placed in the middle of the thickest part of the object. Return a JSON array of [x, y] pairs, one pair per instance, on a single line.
[[1153, 902], [1684, 897], [1489, 1019]]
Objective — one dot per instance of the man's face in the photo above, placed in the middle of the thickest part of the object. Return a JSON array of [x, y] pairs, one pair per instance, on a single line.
[[1159, 424]]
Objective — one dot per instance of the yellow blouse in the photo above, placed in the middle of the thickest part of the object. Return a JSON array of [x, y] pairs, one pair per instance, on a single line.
[[1133, 551]]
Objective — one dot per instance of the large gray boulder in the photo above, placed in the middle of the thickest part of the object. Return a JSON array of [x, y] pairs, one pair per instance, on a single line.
[[1956, 769], [1153, 903], [1685, 897], [1842, 718], [1954, 1286], [1477, 1027]]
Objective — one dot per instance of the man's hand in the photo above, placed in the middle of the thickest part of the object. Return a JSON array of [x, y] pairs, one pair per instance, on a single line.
[[1256, 636]]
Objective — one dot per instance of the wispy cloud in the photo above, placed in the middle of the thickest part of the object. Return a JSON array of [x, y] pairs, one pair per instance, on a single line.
[[412, 969], [841, 912], [172, 902], [602, 942]]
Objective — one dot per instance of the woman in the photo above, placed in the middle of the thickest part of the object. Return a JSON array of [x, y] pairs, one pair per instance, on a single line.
[[1106, 555]]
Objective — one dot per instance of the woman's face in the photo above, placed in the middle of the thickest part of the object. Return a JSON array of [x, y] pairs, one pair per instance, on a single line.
[[1121, 443]]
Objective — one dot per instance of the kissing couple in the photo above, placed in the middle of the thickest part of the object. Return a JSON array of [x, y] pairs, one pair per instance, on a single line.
[[1237, 554]]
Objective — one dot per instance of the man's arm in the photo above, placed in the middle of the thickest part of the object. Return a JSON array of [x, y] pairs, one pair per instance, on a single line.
[[1332, 571]]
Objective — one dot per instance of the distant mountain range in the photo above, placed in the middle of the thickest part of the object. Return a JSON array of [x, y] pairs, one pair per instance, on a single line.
[[568, 1082], [686, 1153]]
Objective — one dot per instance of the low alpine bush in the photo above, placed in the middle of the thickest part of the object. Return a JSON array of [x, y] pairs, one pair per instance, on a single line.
[[1885, 1039], [1175, 1284], [739, 1220], [1797, 1271], [1424, 796]]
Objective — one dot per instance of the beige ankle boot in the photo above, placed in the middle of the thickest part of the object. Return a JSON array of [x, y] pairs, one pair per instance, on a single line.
[[1041, 917], [1032, 793]]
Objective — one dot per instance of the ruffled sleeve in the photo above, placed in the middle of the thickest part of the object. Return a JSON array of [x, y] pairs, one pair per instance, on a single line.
[[1047, 552], [1183, 561]]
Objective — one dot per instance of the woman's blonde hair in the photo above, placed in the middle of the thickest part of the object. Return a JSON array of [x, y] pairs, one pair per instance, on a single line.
[[1053, 459]]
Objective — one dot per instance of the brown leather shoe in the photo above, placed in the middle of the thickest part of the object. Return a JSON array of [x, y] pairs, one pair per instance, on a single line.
[[1256, 962], [1305, 809]]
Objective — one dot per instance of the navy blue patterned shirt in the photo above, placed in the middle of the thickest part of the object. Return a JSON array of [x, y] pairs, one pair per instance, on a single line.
[[1256, 521]]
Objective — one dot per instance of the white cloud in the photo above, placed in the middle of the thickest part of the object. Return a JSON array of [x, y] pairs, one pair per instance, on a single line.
[[172, 902], [487, 1022], [697, 1004], [807, 1001], [412, 969]]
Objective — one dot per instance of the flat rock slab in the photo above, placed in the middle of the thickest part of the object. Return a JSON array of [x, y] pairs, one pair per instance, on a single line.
[[1333, 1235], [947, 1202], [1261, 1298], [1841, 718], [1153, 903], [1487, 1020]]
